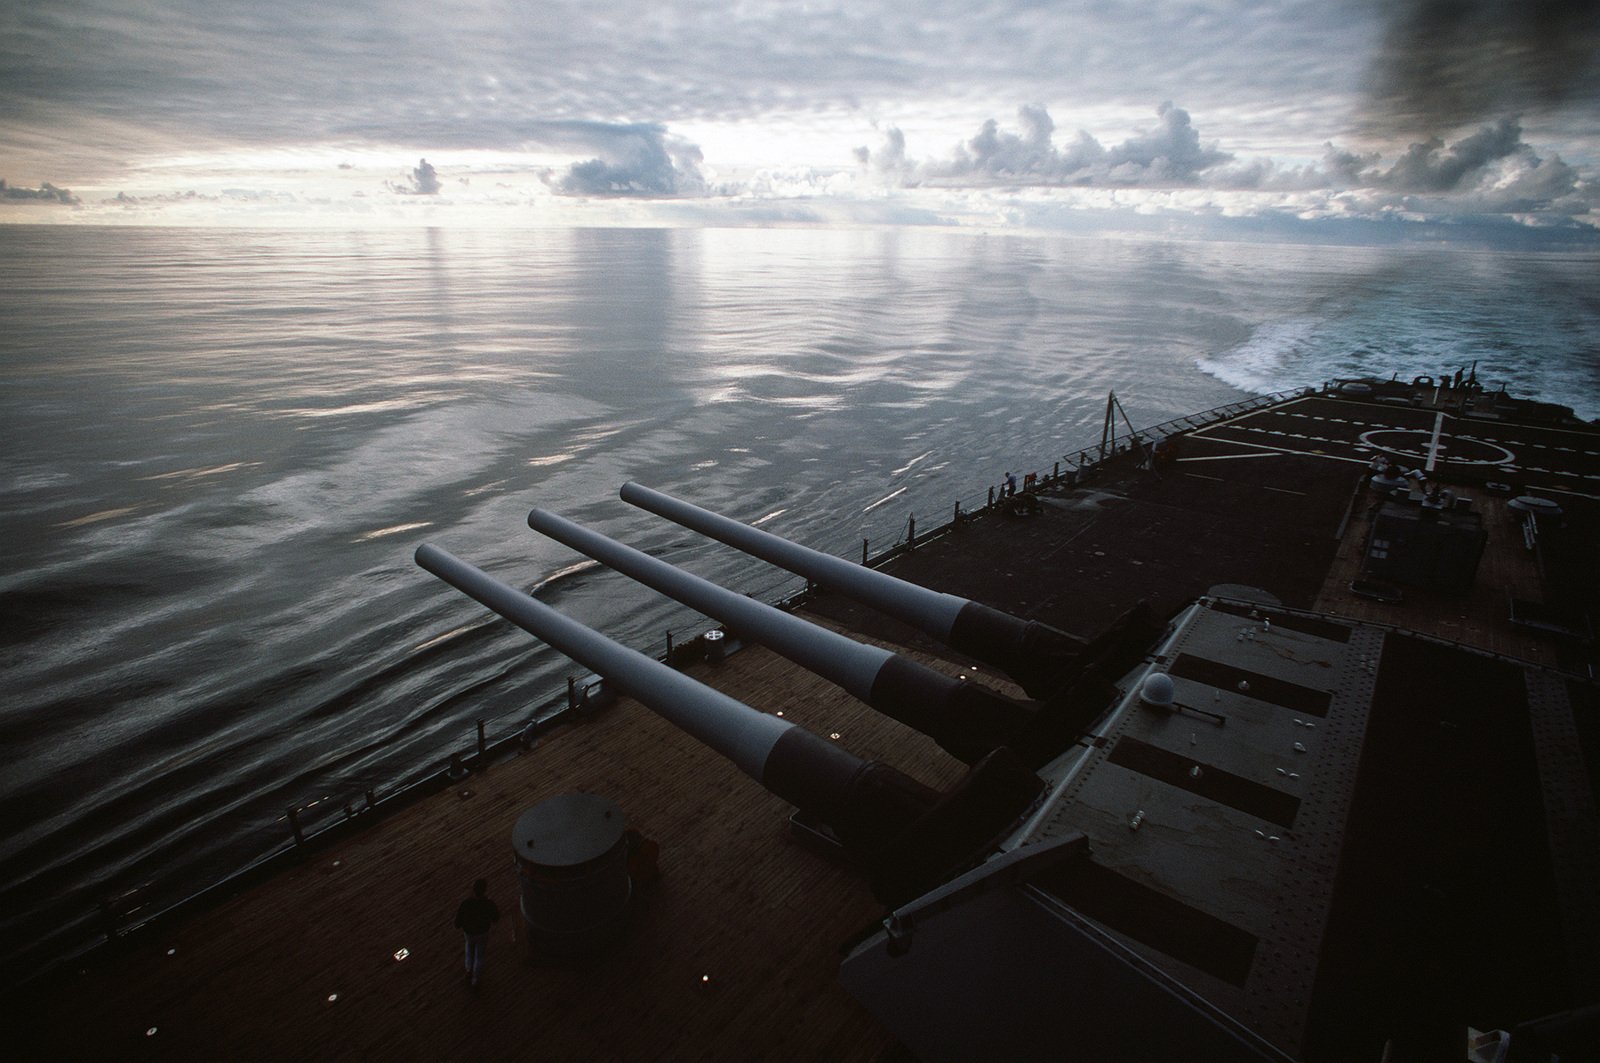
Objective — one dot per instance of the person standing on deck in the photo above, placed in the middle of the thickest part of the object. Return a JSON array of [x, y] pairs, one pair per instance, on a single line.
[[474, 917]]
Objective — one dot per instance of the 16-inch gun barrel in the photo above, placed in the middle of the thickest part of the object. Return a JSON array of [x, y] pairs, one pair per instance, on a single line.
[[1035, 655], [967, 719], [735, 730]]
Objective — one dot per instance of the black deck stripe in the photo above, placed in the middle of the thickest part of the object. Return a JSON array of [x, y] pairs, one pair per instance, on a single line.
[[1281, 692], [1213, 783]]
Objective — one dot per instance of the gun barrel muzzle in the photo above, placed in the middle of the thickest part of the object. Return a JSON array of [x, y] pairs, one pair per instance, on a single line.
[[930, 611], [730, 727], [1032, 653]]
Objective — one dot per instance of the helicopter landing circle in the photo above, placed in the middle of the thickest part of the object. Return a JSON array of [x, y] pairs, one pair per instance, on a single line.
[[1457, 450]]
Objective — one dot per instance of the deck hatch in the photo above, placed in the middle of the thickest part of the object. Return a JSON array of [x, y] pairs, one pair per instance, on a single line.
[[1306, 625], [1216, 784], [1268, 688], [1155, 919]]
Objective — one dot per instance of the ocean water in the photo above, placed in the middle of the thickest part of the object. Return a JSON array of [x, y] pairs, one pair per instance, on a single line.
[[222, 447]]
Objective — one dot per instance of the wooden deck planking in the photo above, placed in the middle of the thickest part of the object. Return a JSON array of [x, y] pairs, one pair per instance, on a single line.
[[738, 900]]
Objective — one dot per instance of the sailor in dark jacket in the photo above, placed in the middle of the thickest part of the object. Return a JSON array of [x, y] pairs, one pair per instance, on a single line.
[[473, 918]]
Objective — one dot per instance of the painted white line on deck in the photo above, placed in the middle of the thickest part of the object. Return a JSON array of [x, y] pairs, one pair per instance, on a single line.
[[1433, 445], [1230, 457], [1570, 491], [1286, 450]]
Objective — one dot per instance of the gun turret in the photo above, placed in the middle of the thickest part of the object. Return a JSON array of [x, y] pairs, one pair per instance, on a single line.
[[966, 718], [906, 836], [1039, 657]]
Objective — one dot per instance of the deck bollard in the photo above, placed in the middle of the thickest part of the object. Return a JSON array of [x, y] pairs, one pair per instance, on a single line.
[[863, 551], [294, 825], [483, 746]]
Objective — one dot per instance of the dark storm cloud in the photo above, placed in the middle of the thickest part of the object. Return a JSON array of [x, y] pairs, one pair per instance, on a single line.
[[45, 193], [1446, 63], [1432, 167], [1492, 170]]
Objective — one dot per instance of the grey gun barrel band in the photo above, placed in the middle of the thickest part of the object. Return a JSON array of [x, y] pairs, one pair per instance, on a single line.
[[966, 719], [754, 741]]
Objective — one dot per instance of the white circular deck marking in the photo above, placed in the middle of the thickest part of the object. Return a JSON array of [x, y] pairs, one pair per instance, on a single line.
[[1419, 449]]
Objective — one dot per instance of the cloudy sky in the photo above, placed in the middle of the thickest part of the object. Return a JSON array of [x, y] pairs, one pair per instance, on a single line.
[[1306, 114]]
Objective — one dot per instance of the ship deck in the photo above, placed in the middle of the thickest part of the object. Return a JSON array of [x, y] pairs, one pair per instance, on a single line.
[[733, 953]]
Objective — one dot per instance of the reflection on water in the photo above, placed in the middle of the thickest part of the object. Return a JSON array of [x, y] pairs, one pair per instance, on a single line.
[[221, 449]]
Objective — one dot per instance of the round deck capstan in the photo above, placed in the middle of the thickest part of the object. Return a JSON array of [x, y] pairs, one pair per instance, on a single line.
[[572, 859]]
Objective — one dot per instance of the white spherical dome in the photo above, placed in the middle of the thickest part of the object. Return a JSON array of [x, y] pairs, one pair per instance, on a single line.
[[1157, 690]]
